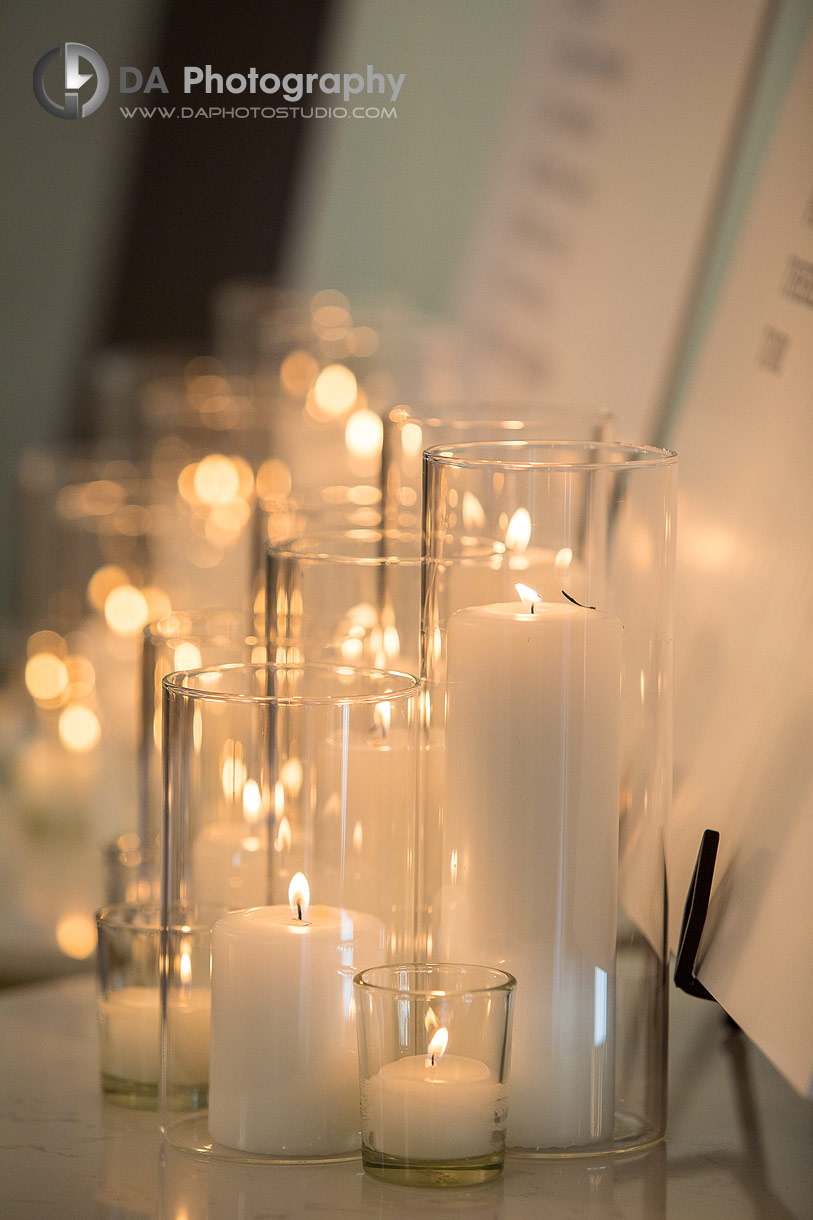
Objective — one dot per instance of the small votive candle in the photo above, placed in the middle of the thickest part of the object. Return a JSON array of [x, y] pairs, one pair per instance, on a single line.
[[434, 1052], [129, 1004]]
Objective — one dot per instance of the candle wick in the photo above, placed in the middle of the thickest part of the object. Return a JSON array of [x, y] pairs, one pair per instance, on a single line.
[[575, 603], [532, 607], [299, 911], [433, 1061]]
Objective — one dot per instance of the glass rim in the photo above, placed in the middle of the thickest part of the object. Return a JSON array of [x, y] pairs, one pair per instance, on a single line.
[[523, 414], [484, 455], [502, 980], [287, 549], [152, 630], [120, 915], [175, 683]]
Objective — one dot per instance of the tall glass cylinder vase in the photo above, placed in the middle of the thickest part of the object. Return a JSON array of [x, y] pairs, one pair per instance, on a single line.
[[547, 652], [353, 595], [289, 800], [179, 641], [409, 430]]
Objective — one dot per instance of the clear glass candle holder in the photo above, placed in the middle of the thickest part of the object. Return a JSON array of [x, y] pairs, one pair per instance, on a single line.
[[180, 641], [129, 1004], [434, 1057], [409, 430], [547, 653], [290, 798], [352, 595]]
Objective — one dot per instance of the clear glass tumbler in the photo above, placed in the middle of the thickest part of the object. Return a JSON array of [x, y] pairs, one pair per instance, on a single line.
[[434, 1058], [290, 799], [128, 974]]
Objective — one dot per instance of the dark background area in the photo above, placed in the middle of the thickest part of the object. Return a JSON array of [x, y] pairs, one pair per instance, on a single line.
[[210, 197]]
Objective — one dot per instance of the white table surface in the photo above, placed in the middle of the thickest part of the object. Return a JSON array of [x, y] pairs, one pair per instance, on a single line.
[[739, 1145]]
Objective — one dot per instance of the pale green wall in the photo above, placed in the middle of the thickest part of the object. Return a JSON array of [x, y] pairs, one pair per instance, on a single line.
[[62, 196], [389, 203]]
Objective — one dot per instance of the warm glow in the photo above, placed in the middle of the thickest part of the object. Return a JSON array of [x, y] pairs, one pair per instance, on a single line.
[[158, 603], [474, 516], [187, 656], [126, 610], [529, 597], [563, 557], [518, 533], [102, 583], [283, 840], [273, 479], [185, 968], [383, 717], [46, 676], [335, 390], [252, 801], [216, 479], [364, 614], [364, 434], [430, 1021], [233, 773], [351, 649], [412, 440], [392, 642], [298, 372], [358, 837], [326, 298], [437, 1046], [82, 676], [76, 936], [227, 519], [79, 728], [299, 896], [363, 494], [291, 775], [330, 317]]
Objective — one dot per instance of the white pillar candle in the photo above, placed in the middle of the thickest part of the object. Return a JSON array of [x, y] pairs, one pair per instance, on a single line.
[[129, 1035], [284, 1063], [230, 865], [433, 1108], [530, 847]]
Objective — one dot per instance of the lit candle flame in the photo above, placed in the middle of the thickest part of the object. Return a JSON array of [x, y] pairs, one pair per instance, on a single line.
[[474, 516], [430, 1021], [383, 717], [185, 969], [530, 598], [252, 801], [299, 897], [437, 1046], [284, 838], [518, 533]]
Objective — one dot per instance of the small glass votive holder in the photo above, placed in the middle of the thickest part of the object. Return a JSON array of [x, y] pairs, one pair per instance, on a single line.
[[129, 1003], [434, 1055]]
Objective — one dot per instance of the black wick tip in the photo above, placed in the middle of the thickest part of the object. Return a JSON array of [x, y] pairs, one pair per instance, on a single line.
[[575, 603], [299, 911]]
